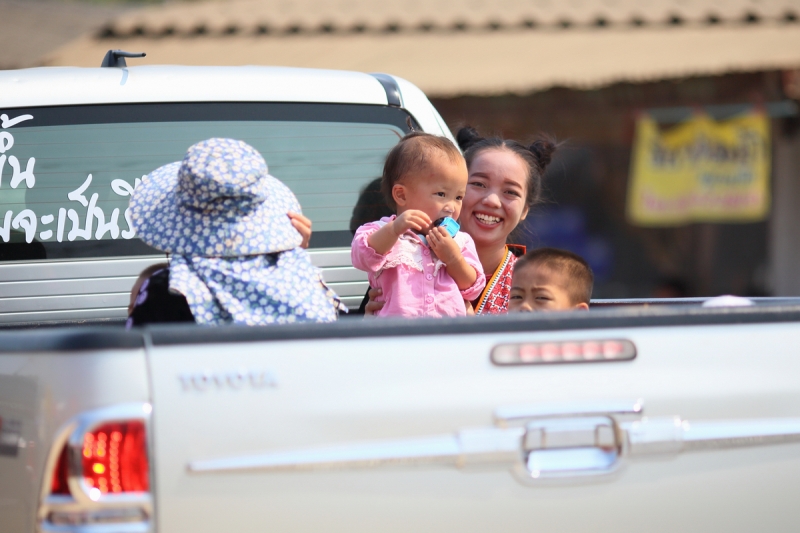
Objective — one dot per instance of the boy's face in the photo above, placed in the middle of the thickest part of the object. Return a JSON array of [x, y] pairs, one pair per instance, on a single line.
[[437, 189], [537, 287]]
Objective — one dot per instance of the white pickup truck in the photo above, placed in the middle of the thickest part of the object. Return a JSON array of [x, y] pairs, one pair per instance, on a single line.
[[624, 419], [627, 418]]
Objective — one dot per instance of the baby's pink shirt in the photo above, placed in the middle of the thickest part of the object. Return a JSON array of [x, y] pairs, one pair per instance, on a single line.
[[415, 282]]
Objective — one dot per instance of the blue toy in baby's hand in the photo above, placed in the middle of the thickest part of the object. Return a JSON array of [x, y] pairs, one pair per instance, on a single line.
[[447, 223]]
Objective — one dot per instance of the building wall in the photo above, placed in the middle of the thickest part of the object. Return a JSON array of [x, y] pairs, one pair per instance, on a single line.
[[784, 237]]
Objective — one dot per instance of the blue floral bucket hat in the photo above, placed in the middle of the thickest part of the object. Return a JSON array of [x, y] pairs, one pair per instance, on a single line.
[[220, 201]]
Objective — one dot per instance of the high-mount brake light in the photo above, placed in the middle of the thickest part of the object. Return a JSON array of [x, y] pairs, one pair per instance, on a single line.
[[115, 458], [579, 351]]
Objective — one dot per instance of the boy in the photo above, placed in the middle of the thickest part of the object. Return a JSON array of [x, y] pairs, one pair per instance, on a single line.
[[548, 279]]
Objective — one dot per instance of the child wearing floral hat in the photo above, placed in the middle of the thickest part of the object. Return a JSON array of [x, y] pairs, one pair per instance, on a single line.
[[236, 257]]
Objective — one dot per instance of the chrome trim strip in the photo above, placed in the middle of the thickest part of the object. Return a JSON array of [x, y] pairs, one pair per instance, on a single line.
[[468, 447], [714, 435], [504, 416], [505, 447], [431, 450], [116, 527], [672, 435]]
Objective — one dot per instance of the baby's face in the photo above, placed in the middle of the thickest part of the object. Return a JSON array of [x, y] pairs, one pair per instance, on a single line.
[[438, 189], [536, 287]]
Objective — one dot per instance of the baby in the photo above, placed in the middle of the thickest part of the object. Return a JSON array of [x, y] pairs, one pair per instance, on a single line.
[[548, 279], [424, 179]]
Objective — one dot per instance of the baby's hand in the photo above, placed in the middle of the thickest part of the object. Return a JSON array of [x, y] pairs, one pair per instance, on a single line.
[[446, 248], [382, 240], [411, 220], [373, 306]]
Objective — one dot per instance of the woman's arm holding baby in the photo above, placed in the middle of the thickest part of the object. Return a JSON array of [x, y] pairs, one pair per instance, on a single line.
[[303, 226], [382, 240], [449, 252]]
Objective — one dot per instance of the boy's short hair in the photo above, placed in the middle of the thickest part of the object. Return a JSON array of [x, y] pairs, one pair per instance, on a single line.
[[577, 270], [411, 155]]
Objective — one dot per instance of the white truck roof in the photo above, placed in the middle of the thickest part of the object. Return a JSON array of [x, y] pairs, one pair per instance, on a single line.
[[49, 86], [59, 86]]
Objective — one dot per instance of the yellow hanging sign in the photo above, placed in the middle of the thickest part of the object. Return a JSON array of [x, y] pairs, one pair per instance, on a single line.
[[700, 171]]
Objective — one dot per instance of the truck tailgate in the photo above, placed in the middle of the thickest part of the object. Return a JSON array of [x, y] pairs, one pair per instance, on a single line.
[[400, 427]]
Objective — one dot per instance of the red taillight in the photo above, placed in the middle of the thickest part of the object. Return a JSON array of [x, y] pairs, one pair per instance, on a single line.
[[115, 458], [100, 454], [59, 483]]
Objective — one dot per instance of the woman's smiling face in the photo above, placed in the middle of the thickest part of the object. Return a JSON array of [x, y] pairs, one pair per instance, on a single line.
[[495, 199]]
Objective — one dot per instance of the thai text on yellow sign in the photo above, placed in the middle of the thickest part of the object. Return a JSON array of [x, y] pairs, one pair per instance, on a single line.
[[700, 171]]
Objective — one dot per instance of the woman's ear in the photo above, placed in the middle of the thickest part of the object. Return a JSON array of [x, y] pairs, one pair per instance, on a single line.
[[524, 213], [399, 194]]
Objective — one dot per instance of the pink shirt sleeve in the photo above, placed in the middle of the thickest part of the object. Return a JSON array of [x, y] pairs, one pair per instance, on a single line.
[[471, 257], [362, 255]]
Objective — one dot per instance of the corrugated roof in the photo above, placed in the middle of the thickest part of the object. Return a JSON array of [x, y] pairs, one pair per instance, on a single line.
[[326, 16], [29, 29], [484, 63]]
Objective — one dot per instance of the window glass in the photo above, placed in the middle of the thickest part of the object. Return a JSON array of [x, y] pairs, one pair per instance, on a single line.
[[64, 187]]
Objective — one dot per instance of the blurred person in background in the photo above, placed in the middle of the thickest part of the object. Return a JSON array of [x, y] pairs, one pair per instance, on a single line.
[[672, 287]]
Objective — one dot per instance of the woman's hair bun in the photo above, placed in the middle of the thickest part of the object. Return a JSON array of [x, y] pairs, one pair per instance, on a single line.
[[542, 150], [466, 137]]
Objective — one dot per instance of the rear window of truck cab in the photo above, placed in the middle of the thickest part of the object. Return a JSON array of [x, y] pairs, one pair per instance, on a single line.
[[66, 173]]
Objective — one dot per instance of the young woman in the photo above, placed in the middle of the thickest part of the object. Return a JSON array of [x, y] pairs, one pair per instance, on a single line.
[[505, 181]]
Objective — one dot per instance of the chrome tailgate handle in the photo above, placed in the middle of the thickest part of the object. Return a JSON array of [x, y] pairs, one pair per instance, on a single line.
[[564, 447]]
